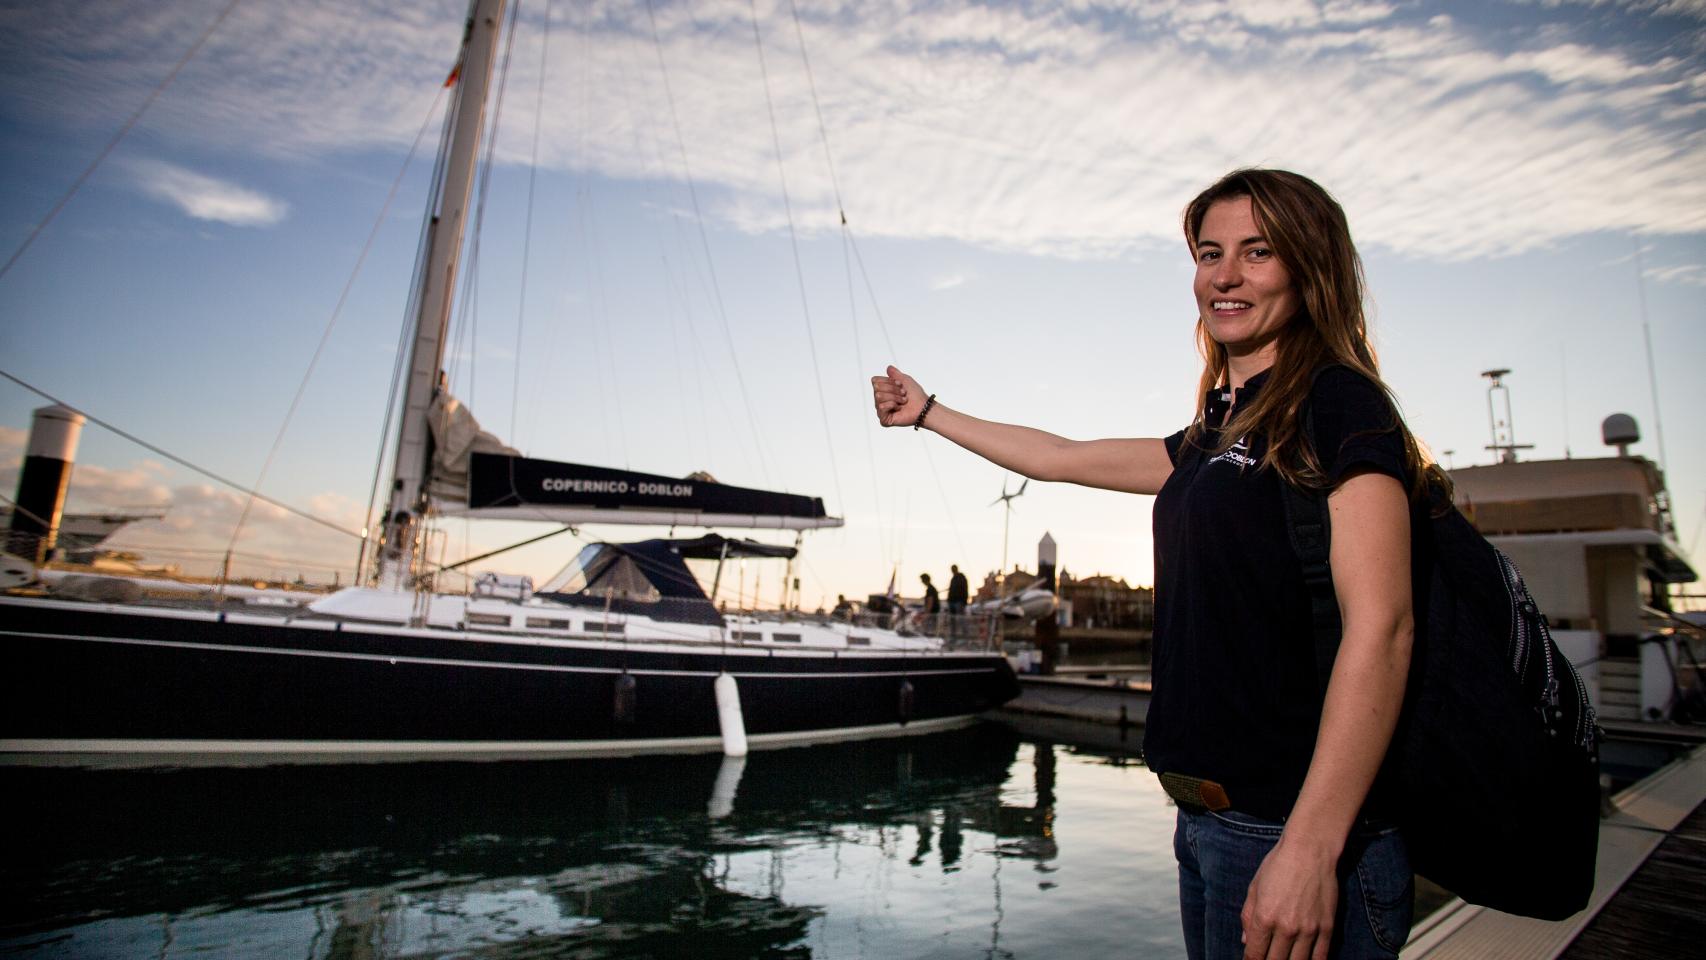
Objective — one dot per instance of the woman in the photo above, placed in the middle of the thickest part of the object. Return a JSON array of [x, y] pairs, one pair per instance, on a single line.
[[1282, 852]]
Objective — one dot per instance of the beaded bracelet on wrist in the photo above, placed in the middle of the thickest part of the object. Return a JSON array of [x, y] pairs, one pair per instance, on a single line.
[[928, 403]]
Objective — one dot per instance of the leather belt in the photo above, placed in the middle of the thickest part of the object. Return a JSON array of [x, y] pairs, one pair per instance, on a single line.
[[1195, 792]]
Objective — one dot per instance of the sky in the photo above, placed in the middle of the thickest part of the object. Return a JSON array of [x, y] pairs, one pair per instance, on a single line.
[[660, 279]]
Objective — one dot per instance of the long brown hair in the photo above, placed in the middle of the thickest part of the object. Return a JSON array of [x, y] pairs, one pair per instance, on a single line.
[[1307, 230]]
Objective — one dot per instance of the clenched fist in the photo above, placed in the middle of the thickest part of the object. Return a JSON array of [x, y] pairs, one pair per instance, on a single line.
[[899, 398]]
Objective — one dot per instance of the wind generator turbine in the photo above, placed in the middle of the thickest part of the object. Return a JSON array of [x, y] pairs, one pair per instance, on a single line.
[[1006, 500]]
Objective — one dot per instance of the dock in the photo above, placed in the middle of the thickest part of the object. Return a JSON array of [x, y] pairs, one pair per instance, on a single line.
[[1102, 695], [1661, 910]]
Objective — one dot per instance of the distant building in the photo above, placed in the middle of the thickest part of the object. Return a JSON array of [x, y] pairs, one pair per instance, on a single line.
[[1103, 601], [1017, 582], [1094, 601]]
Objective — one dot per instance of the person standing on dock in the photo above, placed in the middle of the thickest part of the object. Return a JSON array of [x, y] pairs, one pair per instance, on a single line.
[[1282, 846], [932, 603], [959, 594]]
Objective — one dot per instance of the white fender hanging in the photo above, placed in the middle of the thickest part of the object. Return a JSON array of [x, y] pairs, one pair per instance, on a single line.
[[729, 717], [723, 790]]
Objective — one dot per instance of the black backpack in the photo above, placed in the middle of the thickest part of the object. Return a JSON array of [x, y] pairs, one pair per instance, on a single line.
[[1493, 772]]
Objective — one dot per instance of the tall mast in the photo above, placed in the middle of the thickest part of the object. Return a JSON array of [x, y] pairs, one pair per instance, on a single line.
[[401, 539]]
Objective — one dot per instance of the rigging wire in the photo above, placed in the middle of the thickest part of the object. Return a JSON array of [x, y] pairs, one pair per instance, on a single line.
[[553, 329], [565, 528], [604, 343], [859, 361], [180, 461], [691, 278], [610, 341], [942, 491], [123, 131], [332, 321], [794, 243], [675, 317], [650, 150], [705, 245], [527, 234], [611, 415], [846, 239], [685, 275], [923, 442], [849, 241], [398, 364], [870, 291], [701, 365]]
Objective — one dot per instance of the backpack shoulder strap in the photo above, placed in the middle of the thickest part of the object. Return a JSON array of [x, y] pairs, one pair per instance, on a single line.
[[1310, 529], [1307, 524]]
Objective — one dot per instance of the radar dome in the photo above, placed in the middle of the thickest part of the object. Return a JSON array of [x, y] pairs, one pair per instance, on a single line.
[[1619, 430]]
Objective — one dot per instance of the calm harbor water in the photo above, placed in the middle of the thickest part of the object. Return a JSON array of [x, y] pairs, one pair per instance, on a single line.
[[982, 842]]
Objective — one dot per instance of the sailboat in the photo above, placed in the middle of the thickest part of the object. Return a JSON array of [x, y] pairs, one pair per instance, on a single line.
[[623, 653]]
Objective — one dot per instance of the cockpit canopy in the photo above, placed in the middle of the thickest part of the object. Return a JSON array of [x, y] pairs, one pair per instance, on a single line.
[[605, 570], [650, 577]]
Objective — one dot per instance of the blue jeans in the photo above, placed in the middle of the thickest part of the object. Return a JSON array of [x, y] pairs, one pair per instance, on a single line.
[[1218, 857]]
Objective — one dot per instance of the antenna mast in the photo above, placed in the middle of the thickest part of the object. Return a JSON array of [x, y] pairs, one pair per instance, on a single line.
[[1647, 338], [1504, 445]]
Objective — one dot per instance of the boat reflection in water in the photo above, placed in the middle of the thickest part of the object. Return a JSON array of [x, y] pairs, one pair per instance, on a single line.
[[879, 848]]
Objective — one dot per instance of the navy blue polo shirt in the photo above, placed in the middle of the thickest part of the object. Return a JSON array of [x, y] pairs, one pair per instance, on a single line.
[[1236, 695]]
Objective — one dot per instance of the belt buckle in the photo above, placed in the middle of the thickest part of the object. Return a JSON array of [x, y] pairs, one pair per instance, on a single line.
[[1195, 791]]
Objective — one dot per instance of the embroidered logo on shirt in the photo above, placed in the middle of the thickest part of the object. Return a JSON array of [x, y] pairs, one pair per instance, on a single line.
[[1238, 453]]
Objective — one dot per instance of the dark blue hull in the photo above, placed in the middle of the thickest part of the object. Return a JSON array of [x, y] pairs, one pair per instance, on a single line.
[[133, 681]]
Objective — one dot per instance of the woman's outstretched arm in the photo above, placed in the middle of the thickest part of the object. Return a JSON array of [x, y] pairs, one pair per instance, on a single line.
[[1130, 465]]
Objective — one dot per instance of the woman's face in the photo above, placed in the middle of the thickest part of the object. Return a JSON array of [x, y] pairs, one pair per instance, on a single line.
[[1244, 294]]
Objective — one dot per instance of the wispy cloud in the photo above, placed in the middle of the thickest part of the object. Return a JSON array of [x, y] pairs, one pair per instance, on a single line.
[[1079, 129], [12, 440], [207, 198], [1074, 128], [948, 281], [199, 520], [1680, 8], [1691, 274]]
